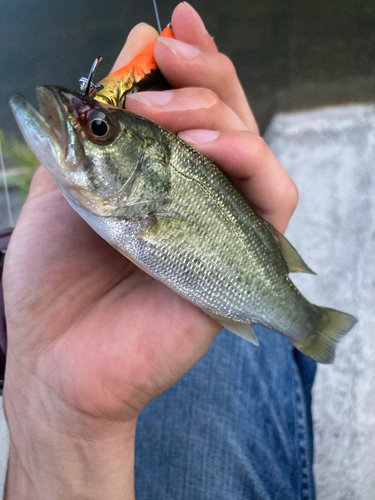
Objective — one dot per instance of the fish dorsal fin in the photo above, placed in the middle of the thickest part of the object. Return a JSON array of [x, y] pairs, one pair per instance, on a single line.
[[244, 330], [292, 259]]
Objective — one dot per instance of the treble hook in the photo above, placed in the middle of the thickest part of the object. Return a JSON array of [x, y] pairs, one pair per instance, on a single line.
[[86, 84]]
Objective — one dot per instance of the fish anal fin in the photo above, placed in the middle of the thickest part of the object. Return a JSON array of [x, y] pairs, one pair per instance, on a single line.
[[244, 330], [292, 258]]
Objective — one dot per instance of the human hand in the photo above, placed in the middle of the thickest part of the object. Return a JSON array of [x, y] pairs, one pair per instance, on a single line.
[[91, 338], [209, 110]]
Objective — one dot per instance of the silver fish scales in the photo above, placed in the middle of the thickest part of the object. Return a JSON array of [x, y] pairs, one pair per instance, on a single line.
[[176, 215]]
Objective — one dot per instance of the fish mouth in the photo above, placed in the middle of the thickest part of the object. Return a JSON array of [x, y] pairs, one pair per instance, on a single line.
[[47, 130], [52, 107]]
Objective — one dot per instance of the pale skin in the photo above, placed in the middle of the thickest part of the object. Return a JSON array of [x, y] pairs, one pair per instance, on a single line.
[[91, 338]]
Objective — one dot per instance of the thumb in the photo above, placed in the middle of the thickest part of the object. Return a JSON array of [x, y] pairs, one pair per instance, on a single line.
[[140, 36], [42, 183]]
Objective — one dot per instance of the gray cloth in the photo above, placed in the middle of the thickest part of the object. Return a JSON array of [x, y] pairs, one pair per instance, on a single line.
[[330, 154]]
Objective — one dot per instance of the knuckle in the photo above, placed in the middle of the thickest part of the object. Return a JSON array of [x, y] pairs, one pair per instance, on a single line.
[[228, 69], [293, 196], [258, 148]]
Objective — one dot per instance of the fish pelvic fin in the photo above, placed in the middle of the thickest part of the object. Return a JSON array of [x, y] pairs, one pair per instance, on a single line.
[[293, 260], [332, 326], [244, 330]]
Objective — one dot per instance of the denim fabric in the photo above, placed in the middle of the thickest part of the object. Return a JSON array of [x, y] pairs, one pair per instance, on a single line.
[[237, 426]]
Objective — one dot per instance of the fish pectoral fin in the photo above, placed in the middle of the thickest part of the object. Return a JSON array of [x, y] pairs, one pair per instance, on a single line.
[[292, 258], [164, 225], [244, 330]]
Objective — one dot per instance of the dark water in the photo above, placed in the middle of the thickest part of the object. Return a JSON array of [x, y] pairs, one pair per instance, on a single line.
[[289, 54]]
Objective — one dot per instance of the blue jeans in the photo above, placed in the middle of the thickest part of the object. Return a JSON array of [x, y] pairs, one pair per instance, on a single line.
[[237, 426]]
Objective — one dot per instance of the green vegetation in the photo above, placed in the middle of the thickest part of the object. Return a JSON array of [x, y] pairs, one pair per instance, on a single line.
[[21, 164]]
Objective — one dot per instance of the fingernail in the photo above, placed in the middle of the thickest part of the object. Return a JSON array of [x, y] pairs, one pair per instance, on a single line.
[[198, 19], [199, 136], [152, 98], [179, 49]]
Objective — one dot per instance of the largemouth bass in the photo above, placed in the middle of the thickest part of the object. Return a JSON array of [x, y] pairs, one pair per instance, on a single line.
[[175, 214]]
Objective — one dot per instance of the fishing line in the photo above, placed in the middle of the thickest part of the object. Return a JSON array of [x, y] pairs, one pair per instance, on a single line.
[[7, 198], [157, 15]]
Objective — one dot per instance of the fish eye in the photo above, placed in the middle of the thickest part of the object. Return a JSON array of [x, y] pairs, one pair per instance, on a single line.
[[99, 127]]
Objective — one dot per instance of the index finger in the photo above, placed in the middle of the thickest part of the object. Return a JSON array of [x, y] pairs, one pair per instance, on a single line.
[[187, 26], [210, 70]]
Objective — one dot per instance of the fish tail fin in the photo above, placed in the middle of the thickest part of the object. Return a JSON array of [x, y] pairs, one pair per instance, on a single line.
[[332, 326]]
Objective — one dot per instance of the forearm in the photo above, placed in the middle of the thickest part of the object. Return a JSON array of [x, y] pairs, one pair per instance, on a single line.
[[58, 454]]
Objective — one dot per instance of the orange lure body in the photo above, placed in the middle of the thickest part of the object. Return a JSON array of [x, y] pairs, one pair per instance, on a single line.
[[140, 74]]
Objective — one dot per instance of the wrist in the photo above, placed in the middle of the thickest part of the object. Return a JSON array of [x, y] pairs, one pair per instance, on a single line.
[[56, 452]]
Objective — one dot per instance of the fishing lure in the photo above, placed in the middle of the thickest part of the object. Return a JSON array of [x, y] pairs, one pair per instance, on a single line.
[[140, 74]]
